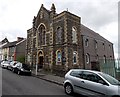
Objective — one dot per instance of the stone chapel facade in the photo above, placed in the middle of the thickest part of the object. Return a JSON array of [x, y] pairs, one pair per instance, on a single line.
[[55, 41]]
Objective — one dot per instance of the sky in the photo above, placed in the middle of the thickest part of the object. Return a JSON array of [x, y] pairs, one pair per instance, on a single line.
[[99, 15]]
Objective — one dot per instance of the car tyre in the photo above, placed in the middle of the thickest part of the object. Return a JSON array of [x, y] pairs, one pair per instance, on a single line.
[[13, 70], [68, 89], [18, 72]]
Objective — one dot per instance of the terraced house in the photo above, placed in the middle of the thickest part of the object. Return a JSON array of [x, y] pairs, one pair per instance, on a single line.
[[14, 50], [59, 42]]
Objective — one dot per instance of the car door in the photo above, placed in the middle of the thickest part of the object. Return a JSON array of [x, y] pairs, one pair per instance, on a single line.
[[17, 67], [92, 83], [78, 82]]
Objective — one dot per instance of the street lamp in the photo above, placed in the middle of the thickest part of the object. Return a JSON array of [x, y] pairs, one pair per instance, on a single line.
[[37, 51], [36, 30]]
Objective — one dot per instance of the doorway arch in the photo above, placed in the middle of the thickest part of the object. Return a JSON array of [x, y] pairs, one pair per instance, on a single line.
[[40, 59]]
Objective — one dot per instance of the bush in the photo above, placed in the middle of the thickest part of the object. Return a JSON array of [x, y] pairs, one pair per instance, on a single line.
[[21, 59]]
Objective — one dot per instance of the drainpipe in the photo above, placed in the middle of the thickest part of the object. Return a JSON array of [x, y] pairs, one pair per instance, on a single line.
[[83, 55], [15, 53]]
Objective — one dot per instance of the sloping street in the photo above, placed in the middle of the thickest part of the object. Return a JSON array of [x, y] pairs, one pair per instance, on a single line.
[[13, 84]]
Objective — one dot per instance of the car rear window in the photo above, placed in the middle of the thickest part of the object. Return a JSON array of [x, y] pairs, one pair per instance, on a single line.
[[76, 74]]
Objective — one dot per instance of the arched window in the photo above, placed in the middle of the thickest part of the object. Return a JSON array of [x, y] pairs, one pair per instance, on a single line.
[[74, 57], [103, 45], [87, 58], [74, 35], [58, 56], [28, 58], [86, 42], [104, 59], [42, 35], [96, 44], [97, 58], [59, 35]]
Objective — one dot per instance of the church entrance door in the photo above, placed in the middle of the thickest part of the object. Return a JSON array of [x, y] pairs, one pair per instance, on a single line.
[[40, 59], [40, 63]]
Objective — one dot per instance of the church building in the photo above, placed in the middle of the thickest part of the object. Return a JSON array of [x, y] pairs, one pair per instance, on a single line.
[[55, 41]]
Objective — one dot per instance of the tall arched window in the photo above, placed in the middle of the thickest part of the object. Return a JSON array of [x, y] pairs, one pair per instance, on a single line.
[[59, 35], [104, 59], [58, 56], [97, 58], [86, 42], [42, 35], [74, 35], [74, 57], [87, 58], [96, 44]]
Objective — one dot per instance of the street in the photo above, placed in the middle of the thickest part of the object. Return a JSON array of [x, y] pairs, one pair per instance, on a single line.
[[13, 84]]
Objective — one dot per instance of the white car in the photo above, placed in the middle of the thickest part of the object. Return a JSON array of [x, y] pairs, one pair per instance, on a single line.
[[88, 82], [5, 64], [12, 64]]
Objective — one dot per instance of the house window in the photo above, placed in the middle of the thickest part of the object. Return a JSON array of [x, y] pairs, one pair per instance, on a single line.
[[74, 35], [28, 58], [104, 59], [59, 35], [96, 44], [87, 58], [86, 42], [97, 58], [103, 46], [109, 46], [74, 57], [59, 56], [110, 58]]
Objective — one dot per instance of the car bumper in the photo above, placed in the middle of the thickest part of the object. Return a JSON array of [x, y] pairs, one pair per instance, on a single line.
[[26, 72], [4, 66]]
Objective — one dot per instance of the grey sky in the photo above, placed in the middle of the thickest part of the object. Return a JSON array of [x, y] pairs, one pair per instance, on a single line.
[[100, 15]]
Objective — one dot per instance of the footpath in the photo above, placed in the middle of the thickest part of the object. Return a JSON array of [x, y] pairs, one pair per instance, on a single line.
[[48, 77]]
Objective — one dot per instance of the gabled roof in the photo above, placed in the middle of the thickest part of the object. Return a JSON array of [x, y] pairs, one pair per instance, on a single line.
[[21, 41], [4, 41], [42, 8], [85, 31], [10, 44]]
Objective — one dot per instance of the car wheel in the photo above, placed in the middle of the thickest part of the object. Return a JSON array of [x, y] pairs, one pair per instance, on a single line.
[[68, 89], [13, 70], [18, 72]]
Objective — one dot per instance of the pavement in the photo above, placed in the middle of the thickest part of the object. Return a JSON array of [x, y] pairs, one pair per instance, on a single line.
[[44, 75]]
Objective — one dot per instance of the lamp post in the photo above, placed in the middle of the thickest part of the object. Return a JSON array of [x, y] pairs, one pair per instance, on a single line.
[[37, 52], [36, 31]]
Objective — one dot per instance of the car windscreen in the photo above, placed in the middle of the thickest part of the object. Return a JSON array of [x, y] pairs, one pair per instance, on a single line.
[[13, 63], [6, 62], [110, 79]]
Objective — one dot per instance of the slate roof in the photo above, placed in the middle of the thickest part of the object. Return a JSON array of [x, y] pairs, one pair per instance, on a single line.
[[85, 31], [4, 41], [10, 44]]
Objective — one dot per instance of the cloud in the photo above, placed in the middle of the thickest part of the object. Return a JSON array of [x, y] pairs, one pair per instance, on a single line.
[[110, 32], [99, 15], [17, 16]]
